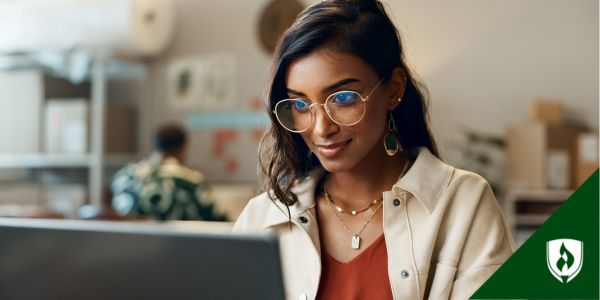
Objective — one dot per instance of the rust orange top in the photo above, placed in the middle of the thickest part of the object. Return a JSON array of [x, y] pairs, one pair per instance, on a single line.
[[364, 277]]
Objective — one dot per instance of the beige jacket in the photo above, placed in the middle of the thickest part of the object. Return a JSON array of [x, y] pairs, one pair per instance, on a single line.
[[444, 232]]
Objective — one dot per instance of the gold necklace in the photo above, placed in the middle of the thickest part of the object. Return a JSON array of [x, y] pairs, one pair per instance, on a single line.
[[356, 212], [342, 210], [355, 244], [356, 236]]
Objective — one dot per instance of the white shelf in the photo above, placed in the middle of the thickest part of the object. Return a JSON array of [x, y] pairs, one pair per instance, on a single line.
[[540, 195], [41, 160], [35, 160], [531, 219]]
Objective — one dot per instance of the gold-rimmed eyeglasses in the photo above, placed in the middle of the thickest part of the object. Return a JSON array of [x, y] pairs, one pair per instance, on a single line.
[[345, 108]]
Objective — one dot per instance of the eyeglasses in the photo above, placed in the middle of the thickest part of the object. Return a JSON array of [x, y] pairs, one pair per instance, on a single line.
[[345, 108]]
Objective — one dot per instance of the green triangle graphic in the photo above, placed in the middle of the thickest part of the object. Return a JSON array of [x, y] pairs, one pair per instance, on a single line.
[[526, 275]]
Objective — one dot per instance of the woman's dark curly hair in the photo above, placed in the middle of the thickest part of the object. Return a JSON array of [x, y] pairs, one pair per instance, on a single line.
[[357, 27]]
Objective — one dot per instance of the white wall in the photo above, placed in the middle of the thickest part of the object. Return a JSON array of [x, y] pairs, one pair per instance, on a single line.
[[481, 60], [484, 60]]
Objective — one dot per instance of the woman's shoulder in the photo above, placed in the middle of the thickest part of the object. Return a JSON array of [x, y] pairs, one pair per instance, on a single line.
[[470, 192], [466, 179], [469, 205], [432, 178], [259, 203], [260, 211]]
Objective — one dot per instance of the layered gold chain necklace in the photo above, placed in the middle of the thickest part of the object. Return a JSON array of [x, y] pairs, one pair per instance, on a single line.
[[350, 212], [355, 243]]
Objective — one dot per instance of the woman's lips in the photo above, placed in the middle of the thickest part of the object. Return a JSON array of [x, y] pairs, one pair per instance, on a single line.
[[332, 150]]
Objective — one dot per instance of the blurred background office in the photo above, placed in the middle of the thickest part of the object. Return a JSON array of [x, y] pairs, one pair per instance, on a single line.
[[84, 85]]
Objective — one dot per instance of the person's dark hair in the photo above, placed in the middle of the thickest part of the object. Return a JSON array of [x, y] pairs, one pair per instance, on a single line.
[[170, 138], [357, 27]]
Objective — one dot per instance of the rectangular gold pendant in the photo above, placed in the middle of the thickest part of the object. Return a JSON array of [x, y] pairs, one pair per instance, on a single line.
[[355, 242]]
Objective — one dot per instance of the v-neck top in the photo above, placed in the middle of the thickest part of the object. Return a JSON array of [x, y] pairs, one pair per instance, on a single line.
[[364, 277]]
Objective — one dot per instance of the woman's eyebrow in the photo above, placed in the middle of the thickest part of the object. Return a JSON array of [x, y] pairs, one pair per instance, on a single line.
[[290, 91], [340, 84], [328, 88]]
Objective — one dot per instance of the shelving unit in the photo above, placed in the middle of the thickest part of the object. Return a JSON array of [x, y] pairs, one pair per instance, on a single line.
[[97, 118], [531, 208], [101, 69], [58, 161]]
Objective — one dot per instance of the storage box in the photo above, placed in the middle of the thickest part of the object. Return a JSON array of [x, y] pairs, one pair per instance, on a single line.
[[546, 111], [21, 94], [541, 156], [559, 169], [66, 126], [586, 156]]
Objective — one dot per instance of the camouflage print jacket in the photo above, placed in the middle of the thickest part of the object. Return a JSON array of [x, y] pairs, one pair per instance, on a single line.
[[162, 189]]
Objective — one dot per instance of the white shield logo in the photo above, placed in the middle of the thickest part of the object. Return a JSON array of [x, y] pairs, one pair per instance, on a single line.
[[564, 258]]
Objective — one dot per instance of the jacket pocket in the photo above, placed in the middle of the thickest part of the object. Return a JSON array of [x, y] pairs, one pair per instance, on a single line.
[[441, 285]]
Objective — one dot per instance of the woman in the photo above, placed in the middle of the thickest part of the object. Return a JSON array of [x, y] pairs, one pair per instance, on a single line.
[[363, 206]]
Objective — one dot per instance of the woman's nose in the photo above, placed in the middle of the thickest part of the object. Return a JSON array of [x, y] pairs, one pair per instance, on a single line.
[[323, 125]]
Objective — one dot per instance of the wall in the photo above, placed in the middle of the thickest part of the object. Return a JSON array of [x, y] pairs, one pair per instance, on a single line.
[[207, 27], [484, 60], [481, 60]]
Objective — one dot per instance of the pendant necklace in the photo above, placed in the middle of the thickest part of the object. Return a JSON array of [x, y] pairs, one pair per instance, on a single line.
[[337, 209], [355, 243]]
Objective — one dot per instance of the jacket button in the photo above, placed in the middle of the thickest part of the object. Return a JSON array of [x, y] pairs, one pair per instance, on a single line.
[[303, 220], [396, 202], [404, 274], [302, 297]]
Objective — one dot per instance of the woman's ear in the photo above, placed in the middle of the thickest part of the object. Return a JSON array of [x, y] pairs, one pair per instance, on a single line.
[[396, 87]]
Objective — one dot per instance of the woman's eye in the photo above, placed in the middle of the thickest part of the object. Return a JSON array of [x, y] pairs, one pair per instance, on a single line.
[[300, 105], [345, 98]]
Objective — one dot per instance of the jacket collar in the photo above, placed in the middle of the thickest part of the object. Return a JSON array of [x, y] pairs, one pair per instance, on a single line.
[[425, 180]]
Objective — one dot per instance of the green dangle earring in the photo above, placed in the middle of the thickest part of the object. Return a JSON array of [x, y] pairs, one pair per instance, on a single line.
[[390, 141]]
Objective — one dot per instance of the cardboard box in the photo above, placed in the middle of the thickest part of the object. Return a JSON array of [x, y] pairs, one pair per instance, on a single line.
[[549, 112], [558, 170], [586, 156], [536, 155]]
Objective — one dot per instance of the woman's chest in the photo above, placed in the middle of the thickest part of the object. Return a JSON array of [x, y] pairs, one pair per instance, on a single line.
[[345, 236]]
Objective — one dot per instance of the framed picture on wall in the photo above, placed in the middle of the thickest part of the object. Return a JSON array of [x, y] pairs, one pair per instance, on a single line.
[[204, 83]]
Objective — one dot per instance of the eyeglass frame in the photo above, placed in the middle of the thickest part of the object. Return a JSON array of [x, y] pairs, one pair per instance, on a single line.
[[314, 104]]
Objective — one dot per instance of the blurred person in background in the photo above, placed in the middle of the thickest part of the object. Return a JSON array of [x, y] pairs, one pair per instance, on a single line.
[[161, 187]]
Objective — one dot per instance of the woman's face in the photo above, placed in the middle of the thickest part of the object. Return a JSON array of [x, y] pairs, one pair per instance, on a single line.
[[340, 148]]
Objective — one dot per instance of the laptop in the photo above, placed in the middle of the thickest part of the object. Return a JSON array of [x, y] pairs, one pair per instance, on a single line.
[[68, 260]]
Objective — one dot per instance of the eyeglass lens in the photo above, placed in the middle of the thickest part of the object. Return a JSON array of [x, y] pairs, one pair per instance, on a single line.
[[344, 108]]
